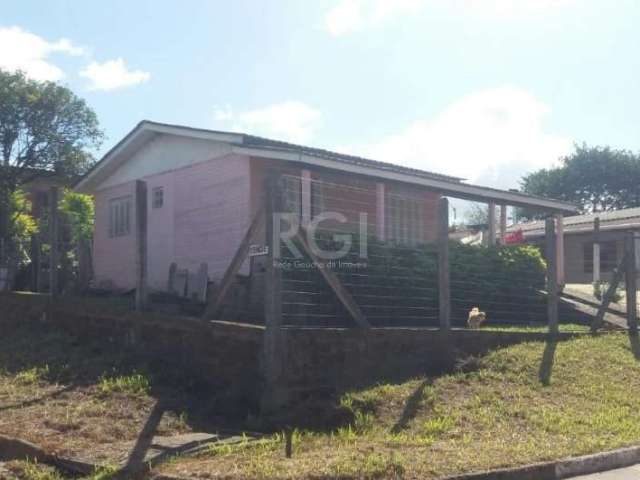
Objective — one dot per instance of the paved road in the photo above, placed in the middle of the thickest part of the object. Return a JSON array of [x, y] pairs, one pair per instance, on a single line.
[[630, 473]]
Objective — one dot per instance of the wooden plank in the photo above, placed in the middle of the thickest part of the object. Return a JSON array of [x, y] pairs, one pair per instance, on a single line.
[[213, 307], [141, 245], [552, 275], [332, 279], [608, 296], [631, 284], [54, 252], [444, 286]]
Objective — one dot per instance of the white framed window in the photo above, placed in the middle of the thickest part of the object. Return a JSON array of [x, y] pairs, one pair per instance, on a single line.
[[318, 195], [404, 219], [120, 216], [157, 197], [292, 194]]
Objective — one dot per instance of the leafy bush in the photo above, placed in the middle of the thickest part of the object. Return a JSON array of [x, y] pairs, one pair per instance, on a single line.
[[398, 284], [78, 210]]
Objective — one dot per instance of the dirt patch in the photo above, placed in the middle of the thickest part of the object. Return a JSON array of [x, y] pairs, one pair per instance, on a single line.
[[94, 402]]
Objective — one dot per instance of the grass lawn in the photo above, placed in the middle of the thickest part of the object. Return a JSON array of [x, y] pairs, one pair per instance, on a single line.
[[526, 403]]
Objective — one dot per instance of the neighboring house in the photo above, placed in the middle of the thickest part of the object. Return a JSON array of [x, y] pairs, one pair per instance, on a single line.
[[37, 186], [579, 238], [205, 186]]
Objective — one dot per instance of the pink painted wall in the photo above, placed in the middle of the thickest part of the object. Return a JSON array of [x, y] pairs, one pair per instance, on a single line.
[[203, 219], [113, 258], [207, 209]]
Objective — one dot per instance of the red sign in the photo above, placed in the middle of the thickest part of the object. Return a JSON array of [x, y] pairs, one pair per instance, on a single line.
[[514, 238]]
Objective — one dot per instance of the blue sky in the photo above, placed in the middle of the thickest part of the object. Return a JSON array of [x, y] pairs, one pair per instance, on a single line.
[[483, 89]]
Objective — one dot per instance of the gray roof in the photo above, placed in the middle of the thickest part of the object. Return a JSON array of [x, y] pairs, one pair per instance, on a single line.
[[255, 141], [251, 144], [627, 218]]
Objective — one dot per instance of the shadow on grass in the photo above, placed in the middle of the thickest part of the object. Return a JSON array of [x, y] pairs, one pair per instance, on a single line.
[[72, 364], [411, 407], [634, 343], [546, 365], [136, 459], [40, 399]]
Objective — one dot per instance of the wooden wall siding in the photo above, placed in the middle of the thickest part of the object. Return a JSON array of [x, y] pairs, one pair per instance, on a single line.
[[114, 257], [203, 218], [161, 233], [211, 213]]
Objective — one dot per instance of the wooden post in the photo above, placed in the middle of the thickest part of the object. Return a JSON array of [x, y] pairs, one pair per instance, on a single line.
[[631, 283], [53, 241], [84, 264], [491, 219], [552, 275], [503, 224], [560, 248], [36, 252], [274, 345], [141, 245], [596, 250], [444, 293]]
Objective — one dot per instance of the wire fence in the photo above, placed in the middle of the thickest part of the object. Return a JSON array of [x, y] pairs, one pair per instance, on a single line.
[[381, 247]]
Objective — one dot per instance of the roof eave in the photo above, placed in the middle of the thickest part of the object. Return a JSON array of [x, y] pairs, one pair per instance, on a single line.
[[454, 189]]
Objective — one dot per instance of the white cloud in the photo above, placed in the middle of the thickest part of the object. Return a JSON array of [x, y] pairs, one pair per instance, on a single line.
[[292, 121], [22, 50], [492, 137], [349, 16], [112, 75]]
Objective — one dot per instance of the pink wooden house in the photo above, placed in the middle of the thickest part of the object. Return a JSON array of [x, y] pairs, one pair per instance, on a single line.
[[204, 187]]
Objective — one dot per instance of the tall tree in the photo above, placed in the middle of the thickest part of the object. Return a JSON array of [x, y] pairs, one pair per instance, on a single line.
[[596, 179], [43, 126]]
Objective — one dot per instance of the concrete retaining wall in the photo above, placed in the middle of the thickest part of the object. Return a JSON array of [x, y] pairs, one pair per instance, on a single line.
[[230, 356]]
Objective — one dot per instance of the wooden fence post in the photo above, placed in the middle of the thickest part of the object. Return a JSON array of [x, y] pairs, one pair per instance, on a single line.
[[503, 224], [596, 250], [631, 283], [84, 264], [560, 250], [444, 292], [552, 274], [274, 395], [141, 244], [492, 224], [53, 241], [35, 263]]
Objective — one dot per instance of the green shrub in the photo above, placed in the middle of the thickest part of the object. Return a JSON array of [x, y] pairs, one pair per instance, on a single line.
[[398, 284]]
